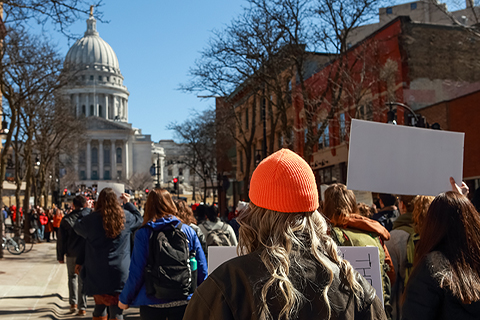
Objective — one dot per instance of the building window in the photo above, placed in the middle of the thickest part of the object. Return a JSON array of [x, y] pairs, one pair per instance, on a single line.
[[100, 111], [94, 155], [192, 171], [107, 175], [100, 78], [324, 140], [83, 77], [342, 127], [81, 156], [83, 176], [119, 155], [413, 6], [305, 134], [180, 171], [91, 77], [94, 175], [108, 78], [92, 111], [246, 118], [389, 10], [170, 173], [325, 175], [84, 110], [106, 156], [119, 175]]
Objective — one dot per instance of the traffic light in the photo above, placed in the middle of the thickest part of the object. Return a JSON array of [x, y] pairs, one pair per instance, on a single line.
[[146, 191], [175, 184], [65, 191]]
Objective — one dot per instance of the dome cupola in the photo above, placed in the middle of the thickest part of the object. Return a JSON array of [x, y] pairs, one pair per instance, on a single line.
[[92, 52]]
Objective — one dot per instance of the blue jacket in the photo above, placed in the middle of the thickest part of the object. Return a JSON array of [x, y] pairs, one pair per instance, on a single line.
[[134, 292], [105, 269]]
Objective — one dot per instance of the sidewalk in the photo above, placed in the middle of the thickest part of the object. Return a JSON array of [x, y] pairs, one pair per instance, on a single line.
[[33, 285]]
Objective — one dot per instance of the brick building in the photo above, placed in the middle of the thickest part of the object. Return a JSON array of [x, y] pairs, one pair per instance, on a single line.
[[462, 115], [427, 63]]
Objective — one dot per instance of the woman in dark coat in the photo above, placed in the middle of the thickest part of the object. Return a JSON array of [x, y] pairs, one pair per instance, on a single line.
[[107, 255], [445, 281]]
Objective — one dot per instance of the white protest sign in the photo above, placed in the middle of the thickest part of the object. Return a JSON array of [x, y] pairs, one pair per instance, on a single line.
[[118, 188], [363, 259], [363, 197], [366, 261], [403, 160], [218, 255]]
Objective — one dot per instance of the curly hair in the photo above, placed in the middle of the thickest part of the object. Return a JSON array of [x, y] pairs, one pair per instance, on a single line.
[[159, 204], [280, 237], [420, 208], [184, 212], [113, 216]]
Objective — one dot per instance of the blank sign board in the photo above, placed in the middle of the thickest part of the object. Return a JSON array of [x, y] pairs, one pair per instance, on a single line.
[[403, 160]]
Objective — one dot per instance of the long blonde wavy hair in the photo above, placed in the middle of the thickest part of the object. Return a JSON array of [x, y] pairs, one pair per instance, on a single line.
[[278, 236], [112, 213]]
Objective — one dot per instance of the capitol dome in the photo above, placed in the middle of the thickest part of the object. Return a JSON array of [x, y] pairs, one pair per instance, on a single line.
[[92, 52]]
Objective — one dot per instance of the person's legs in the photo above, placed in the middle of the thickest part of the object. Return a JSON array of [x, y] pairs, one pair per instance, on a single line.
[[115, 312], [42, 230], [82, 297], [47, 236], [100, 311], [176, 313], [72, 282], [149, 313]]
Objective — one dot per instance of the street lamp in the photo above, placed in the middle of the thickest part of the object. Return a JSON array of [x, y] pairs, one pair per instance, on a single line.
[[391, 113]]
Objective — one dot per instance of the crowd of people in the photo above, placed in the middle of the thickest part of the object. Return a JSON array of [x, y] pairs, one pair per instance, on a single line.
[[288, 264]]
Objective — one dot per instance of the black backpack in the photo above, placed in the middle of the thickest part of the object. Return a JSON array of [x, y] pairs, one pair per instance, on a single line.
[[168, 274]]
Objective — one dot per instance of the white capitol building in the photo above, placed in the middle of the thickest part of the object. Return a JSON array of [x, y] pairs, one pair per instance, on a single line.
[[114, 150]]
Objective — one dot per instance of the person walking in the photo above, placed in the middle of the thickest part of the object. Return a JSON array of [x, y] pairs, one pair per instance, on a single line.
[[71, 245], [217, 232], [289, 267], [57, 219], [160, 214], [43, 220], [445, 281], [49, 225], [107, 232], [185, 214], [351, 229]]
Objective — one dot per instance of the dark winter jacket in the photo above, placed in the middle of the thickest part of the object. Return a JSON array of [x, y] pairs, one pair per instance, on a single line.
[[387, 217], [425, 299], [201, 237], [233, 291], [134, 292], [106, 260], [69, 243]]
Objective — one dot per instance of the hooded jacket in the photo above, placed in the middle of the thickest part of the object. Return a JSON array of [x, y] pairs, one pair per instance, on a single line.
[[69, 243], [356, 221], [233, 291], [105, 270], [134, 292], [426, 300]]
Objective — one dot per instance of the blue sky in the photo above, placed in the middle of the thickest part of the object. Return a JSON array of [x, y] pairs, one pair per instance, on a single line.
[[156, 42]]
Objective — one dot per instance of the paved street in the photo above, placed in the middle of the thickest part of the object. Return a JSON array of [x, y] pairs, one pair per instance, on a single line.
[[33, 285]]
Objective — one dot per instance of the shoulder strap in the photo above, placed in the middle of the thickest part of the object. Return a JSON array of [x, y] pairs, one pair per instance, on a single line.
[[204, 224], [224, 227]]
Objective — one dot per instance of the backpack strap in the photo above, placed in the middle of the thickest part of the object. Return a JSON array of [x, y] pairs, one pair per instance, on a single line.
[[224, 227]]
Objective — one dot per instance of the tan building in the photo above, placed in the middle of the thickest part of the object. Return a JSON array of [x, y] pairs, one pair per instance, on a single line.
[[423, 11]]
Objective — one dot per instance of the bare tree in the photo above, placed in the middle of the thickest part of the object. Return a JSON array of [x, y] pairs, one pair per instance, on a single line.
[[140, 181], [198, 136], [61, 13]]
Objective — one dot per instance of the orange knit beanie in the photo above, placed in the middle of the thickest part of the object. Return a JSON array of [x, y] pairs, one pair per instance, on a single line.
[[284, 182]]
